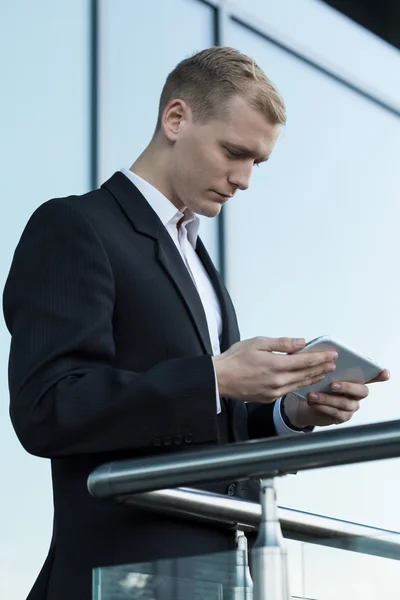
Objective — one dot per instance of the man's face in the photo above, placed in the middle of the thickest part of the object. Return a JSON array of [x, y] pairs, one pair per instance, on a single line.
[[210, 162]]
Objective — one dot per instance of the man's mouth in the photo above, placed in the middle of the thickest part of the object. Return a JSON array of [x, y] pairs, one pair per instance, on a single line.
[[225, 196]]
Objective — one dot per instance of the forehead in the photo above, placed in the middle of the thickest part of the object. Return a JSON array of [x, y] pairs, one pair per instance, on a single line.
[[243, 125]]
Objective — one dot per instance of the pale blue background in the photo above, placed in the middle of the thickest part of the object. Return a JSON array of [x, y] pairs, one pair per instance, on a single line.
[[44, 103], [312, 246], [137, 53]]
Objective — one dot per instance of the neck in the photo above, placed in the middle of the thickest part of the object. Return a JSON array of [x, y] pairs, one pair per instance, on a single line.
[[152, 166]]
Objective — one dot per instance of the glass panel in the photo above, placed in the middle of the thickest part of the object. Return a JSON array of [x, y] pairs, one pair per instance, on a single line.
[[312, 249], [332, 574], [344, 568], [316, 572], [365, 566], [208, 577], [133, 72], [44, 153]]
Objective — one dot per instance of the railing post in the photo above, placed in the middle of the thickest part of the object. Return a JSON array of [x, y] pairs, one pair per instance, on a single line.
[[243, 585], [269, 555]]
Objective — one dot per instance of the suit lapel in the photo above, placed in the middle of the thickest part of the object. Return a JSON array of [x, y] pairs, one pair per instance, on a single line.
[[230, 330], [146, 222], [230, 335], [171, 261]]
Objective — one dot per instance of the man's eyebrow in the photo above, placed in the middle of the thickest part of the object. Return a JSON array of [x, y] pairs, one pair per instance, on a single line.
[[244, 151]]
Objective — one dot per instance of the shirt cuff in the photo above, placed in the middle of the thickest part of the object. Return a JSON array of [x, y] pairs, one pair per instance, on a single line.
[[280, 425], [217, 397]]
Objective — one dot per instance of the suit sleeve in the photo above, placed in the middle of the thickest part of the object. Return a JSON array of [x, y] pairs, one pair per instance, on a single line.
[[66, 396], [260, 420]]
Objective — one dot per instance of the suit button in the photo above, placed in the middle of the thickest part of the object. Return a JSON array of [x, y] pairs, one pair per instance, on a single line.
[[231, 489], [157, 442], [188, 438], [178, 440], [167, 441]]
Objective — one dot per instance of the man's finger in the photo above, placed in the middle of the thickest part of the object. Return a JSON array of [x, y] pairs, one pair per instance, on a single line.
[[384, 376], [282, 344], [300, 379], [358, 391], [336, 415], [306, 360], [327, 403]]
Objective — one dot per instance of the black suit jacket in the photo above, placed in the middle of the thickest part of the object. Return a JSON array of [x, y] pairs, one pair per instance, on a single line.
[[111, 358]]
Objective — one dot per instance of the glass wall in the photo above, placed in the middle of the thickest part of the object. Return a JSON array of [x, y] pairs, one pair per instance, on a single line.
[[44, 152], [326, 36], [312, 249], [141, 42]]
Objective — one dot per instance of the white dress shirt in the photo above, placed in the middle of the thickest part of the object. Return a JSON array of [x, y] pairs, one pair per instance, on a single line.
[[185, 239]]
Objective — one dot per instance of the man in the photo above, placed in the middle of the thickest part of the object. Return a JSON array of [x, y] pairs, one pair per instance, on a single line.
[[124, 338]]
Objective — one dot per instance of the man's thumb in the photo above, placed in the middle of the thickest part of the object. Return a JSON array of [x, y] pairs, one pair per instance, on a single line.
[[284, 344]]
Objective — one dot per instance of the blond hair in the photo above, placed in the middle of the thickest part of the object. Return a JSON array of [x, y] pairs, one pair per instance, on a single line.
[[209, 79]]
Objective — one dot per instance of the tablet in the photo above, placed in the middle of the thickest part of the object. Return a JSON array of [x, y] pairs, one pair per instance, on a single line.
[[350, 366]]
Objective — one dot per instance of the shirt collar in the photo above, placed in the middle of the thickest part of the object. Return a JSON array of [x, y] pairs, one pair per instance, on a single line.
[[163, 207]]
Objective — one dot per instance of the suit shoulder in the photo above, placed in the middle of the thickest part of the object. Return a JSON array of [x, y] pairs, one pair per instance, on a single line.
[[86, 204], [88, 210]]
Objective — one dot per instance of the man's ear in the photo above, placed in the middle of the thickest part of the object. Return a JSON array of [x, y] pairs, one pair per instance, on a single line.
[[174, 115]]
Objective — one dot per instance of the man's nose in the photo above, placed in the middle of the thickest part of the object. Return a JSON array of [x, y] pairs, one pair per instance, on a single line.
[[240, 177]]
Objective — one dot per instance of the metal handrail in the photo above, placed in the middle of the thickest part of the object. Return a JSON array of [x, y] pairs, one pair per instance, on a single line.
[[263, 459], [253, 459], [234, 513]]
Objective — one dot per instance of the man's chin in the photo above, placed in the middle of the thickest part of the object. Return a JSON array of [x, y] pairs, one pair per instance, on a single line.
[[211, 210]]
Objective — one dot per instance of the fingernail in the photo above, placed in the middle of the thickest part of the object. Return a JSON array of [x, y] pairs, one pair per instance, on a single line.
[[299, 342], [313, 397], [336, 387]]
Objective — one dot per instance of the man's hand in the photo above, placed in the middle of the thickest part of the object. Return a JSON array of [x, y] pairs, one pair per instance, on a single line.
[[251, 371], [329, 409]]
